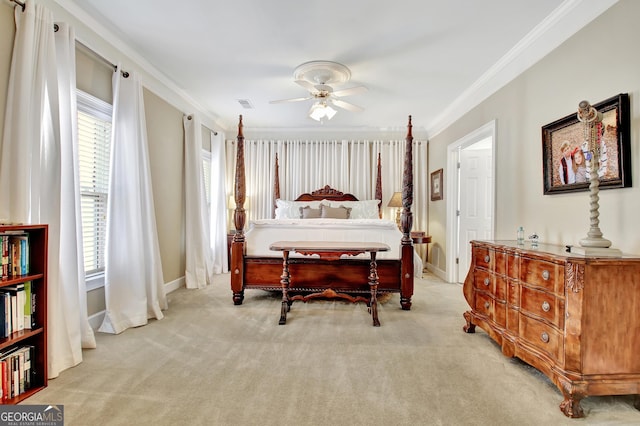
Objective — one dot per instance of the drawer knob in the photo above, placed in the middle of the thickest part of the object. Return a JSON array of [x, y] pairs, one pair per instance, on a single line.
[[545, 275], [486, 305], [487, 258], [544, 337], [546, 306], [486, 281]]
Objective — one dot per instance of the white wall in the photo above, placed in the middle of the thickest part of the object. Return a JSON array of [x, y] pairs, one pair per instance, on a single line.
[[598, 62]]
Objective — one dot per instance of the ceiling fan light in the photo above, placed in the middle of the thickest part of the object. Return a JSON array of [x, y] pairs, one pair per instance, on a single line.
[[329, 112], [321, 110]]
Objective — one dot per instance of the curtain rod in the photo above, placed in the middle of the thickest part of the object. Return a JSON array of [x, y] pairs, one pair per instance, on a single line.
[[19, 3], [87, 48], [100, 57]]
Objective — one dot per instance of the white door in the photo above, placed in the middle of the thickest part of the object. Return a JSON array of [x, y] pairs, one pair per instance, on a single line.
[[475, 212], [470, 206]]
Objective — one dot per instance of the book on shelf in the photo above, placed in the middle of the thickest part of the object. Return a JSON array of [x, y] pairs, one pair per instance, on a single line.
[[10, 375], [18, 300], [3, 381], [16, 371], [4, 244], [15, 253], [29, 305], [5, 315]]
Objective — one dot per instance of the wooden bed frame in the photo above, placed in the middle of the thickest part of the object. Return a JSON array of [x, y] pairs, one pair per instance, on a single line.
[[317, 275]]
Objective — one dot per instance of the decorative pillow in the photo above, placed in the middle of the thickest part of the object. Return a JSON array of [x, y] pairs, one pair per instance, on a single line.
[[341, 212], [291, 209], [308, 212], [367, 209]]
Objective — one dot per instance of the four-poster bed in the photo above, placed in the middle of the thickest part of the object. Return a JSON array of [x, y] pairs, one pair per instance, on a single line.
[[254, 268]]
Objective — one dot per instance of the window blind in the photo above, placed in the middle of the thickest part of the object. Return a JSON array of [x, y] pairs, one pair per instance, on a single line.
[[94, 140]]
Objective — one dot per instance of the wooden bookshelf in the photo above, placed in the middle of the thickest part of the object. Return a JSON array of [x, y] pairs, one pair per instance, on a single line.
[[34, 337]]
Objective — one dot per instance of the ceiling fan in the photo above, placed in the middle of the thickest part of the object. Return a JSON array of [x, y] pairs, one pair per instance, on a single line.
[[316, 77]]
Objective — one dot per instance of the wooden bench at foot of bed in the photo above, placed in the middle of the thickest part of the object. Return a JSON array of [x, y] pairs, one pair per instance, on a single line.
[[316, 275]]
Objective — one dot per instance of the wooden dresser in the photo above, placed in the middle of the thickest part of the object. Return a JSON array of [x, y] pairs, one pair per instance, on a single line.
[[575, 318]]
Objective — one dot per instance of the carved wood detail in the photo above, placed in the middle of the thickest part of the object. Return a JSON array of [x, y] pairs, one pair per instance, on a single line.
[[329, 293], [575, 276], [406, 217], [379, 187], [276, 185], [239, 215], [327, 191]]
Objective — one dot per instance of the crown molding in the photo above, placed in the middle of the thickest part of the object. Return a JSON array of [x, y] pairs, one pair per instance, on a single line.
[[87, 28], [566, 20]]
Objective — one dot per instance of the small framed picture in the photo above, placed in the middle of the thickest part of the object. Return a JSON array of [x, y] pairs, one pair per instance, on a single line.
[[436, 185], [566, 158]]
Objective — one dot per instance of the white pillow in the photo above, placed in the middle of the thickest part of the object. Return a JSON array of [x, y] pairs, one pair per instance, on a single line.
[[367, 209], [291, 209]]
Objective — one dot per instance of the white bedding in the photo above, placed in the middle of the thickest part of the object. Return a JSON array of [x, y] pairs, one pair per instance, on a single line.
[[261, 233]]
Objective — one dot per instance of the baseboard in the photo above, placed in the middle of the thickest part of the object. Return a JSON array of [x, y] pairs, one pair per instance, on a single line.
[[436, 271], [95, 320], [174, 285]]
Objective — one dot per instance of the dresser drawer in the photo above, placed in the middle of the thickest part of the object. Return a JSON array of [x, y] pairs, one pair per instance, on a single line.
[[484, 305], [500, 262], [542, 336], [496, 311], [484, 280], [513, 319], [543, 305], [483, 257], [500, 291], [513, 266], [540, 273], [500, 313], [513, 293]]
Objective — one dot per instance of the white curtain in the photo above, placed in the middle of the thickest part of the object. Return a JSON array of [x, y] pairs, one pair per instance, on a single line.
[[134, 284], [347, 165], [362, 171], [218, 204], [39, 175], [392, 161], [199, 258], [259, 160]]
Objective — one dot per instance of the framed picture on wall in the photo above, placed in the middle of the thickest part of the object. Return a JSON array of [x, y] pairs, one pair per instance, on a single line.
[[565, 155], [436, 185]]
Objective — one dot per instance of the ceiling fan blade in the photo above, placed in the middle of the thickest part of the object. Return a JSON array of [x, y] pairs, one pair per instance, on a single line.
[[309, 86], [281, 101], [346, 105], [350, 91]]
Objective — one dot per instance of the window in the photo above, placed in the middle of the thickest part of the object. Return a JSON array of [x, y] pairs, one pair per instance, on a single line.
[[94, 140]]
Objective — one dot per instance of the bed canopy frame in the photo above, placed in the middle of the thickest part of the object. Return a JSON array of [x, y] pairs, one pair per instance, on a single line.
[[313, 275]]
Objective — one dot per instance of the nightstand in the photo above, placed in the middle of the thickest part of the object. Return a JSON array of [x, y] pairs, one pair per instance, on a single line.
[[425, 239], [421, 238]]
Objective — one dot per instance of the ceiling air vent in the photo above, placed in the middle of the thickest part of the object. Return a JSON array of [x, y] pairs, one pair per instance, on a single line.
[[246, 104]]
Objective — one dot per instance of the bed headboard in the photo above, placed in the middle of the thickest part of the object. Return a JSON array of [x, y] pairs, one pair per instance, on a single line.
[[326, 193]]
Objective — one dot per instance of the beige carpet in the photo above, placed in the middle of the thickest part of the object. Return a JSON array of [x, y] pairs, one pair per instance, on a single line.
[[209, 362]]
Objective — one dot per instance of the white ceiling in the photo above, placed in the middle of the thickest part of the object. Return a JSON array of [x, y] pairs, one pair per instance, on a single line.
[[429, 58]]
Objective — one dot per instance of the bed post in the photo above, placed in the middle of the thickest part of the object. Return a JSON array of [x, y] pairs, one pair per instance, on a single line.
[[406, 222], [276, 186], [239, 215], [379, 188]]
